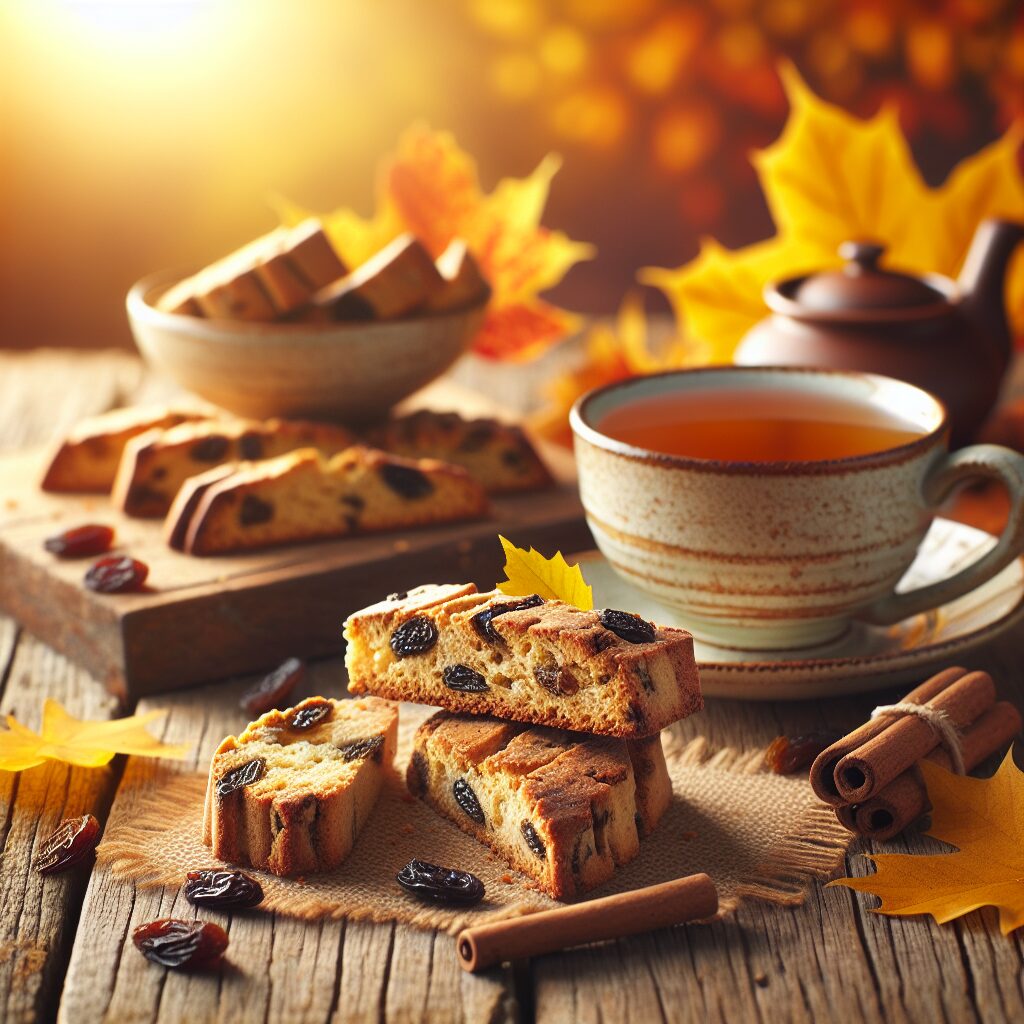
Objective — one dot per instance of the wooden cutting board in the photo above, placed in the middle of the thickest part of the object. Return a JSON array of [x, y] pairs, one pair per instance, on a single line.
[[207, 618]]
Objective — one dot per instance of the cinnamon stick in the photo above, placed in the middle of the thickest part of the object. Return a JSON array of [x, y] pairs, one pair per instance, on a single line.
[[823, 770], [874, 764], [905, 799], [657, 906]]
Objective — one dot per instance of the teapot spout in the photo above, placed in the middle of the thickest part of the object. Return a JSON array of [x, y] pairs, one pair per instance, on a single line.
[[982, 279]]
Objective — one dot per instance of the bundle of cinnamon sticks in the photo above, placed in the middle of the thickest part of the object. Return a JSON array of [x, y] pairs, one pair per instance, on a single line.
[[871, 776]]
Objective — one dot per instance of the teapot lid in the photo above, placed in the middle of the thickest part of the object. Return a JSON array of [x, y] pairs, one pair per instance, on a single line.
[[862, 284]]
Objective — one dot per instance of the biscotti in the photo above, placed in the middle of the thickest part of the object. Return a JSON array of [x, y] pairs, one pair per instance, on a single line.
[[564, 808], [155, 464], [291, 793], [265, 279], [393, 283], [462, 283], [303, 496], [526, 659], [499, 455], [87, 459]]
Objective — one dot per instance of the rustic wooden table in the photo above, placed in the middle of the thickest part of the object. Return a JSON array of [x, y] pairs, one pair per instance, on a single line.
[[65, 950]]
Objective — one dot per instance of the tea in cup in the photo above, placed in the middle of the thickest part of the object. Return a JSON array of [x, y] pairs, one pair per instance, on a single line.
[[772, 505]]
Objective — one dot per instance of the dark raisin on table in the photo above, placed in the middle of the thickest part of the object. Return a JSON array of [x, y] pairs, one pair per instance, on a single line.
[[242, 776], [482, 621], [117, 574], [67, 845], [273, 689], [406, 481], [307, 717], [357, 750], [464, 679], [185, 945], [439, 884], [414, 636], [466, 799], [788, 754], [81, 541], [533, 841], [627, 626], [223, 890]]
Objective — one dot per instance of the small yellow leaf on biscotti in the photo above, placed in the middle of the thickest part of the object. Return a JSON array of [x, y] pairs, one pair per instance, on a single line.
[[529, 572]]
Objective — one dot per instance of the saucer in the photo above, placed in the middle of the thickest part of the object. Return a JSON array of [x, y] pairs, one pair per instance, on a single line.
[[866, 657]]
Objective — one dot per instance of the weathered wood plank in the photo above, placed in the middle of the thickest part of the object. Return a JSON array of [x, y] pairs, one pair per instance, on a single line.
[[281, 969], [38, 915]]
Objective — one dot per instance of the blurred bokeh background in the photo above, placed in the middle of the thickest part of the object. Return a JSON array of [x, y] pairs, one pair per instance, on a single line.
[[144, 134]]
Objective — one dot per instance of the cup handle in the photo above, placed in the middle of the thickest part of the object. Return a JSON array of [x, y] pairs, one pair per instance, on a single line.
[[980, 461]]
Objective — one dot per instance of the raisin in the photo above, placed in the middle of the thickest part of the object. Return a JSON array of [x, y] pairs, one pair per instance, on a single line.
[[416, 777], [466, 799], [190, 945], [533, 841], [440, 885], [308, 716], [250, 446], [209, 449], [223, 890], [356, 750], [414, 636], [601, 640], [91, 539], [353, 501], [477, 436], [637, 717], [464, 679], [556, 679], [406, 481], [69, 842], [512, 458], [626, 626], [788, 754], [244, 775], [397, 596], [272, 690], [482, 620], [645, 678], [254, 511], [117, 574]]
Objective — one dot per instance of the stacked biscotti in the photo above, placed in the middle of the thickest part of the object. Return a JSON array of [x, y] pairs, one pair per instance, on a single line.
[[224, 484], [295, 274], [548, 749]]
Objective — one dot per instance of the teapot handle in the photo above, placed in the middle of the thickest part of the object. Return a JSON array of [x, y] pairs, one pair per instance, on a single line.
[[980, 461]]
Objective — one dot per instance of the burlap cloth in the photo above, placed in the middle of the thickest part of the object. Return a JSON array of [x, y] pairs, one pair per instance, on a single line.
[[757, 835]]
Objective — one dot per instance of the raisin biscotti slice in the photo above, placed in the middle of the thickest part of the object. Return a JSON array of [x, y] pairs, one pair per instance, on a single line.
[[499, 455], [564, 808], [302, 497], [605, 672], [87, 459], [292, 791], [155, 465]]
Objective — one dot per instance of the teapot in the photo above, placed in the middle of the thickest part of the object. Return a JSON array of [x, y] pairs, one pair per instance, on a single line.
[[949, 337]]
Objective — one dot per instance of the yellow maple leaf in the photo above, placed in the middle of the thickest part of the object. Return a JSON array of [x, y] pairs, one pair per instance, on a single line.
[[529, 572], [430, 186], [984, 818], [831, 177], [611, 352], [79, 742]]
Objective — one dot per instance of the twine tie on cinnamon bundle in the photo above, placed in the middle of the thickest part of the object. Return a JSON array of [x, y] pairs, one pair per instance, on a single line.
[[949, 735]]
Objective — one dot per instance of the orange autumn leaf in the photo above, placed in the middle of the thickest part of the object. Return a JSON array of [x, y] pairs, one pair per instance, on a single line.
[[79, 742], [430, 187], [984, 819], [611, 352], [529, 572], [831, 177]]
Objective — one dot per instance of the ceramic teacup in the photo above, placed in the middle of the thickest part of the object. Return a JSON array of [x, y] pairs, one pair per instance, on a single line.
[[777, 555]]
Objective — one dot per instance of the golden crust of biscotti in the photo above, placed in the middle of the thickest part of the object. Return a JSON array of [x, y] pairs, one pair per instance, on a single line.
[[303, 496], [562, 807], [155, 464], [543, 662], [499, 455], [86, 460], [392, 283], [314, 774]]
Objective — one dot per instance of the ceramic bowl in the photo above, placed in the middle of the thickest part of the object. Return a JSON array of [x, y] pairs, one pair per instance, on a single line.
[[350, 372]]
